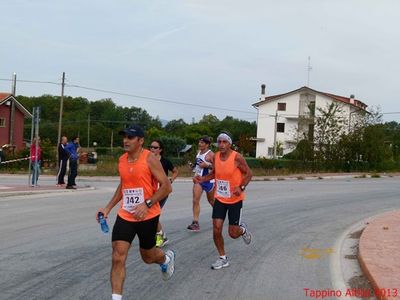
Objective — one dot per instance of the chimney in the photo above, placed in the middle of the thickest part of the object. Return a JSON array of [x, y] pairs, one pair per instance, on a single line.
[[263, 92], [14, 84], [352, 99]]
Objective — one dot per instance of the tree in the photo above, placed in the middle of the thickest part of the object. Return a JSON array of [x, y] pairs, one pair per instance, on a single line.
[[246, 146], [374, 145], [141, 117], [329, 127], [176, 127], [153, 133], [172, 145]]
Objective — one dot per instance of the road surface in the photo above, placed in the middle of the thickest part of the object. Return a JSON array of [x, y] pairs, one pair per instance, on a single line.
[[52, 248]]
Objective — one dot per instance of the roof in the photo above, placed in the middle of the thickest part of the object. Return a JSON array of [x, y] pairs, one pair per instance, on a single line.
[[347, 100], [186, 148], [4, 97]]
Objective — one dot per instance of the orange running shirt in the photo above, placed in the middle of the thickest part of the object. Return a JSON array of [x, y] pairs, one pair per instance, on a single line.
[[227, 177], [137, 185]]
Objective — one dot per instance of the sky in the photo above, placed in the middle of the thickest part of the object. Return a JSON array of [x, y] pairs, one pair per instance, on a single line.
[[186, 58]]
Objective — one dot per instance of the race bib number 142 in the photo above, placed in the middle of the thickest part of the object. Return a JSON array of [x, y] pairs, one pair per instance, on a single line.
[[132, 198]]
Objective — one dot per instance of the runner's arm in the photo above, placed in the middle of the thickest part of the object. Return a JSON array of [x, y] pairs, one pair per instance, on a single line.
[[175, 173], [208, 177], [164, 189], [244, 168], [209, 159]]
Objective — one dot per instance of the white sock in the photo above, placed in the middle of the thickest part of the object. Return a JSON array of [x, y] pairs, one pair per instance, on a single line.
[[222, 256], [116, 297], [160, 232], [167, 260]]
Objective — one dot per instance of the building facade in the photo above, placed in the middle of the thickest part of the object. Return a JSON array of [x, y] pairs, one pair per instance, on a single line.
[[281, 118], [12, 120]]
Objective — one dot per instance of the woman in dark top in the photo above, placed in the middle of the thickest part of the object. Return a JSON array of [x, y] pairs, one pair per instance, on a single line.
[[156, 148]]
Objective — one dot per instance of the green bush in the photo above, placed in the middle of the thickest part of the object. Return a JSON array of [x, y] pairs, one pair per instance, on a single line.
[[178, 161], [253, 162], [117, 151]]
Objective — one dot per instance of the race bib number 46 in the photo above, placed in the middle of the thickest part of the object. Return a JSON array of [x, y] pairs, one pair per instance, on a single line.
[[223, 188], [132, 198]]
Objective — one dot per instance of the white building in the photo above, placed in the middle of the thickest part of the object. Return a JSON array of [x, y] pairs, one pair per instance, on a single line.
[[280, 117]]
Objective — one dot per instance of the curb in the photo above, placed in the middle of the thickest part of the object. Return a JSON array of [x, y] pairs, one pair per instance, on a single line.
[[339, 276], [43, 191], [379, 254]]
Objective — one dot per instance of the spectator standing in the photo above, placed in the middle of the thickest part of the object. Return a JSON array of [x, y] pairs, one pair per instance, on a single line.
[[35, 155], [73, 150], [63, 156]]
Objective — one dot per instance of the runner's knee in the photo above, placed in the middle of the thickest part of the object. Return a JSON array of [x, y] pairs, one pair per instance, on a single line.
[[217, 228], [234, 232], [147, 259], [118, 257], [147, 256]]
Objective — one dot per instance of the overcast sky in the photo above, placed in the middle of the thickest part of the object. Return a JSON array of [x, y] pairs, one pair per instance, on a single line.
[[215, 53]]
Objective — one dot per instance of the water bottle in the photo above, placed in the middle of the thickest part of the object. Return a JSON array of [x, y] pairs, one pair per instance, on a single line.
[[103, 222]]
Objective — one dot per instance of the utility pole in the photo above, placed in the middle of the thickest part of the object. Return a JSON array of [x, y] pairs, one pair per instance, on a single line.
[[12, 112], [34, 134], [112, 140], [275, 129], [61, 113], [88, 131]]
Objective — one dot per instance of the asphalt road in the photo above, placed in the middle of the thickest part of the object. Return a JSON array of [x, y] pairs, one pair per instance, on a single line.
[[52, 248]]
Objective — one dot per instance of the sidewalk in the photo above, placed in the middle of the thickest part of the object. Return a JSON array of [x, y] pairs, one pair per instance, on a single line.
[[379, 254], [16, 189], [9, 189]]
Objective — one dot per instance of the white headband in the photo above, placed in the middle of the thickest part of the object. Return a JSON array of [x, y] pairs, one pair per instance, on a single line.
[[224, 136]]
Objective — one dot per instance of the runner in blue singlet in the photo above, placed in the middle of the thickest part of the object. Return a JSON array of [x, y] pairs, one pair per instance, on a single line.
[[201, 167]]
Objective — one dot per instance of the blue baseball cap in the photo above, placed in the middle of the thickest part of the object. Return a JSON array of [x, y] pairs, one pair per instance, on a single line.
[[132, 131]]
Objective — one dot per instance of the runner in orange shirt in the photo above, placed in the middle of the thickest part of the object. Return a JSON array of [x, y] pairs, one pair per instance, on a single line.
[[140, 174], [232, 175]]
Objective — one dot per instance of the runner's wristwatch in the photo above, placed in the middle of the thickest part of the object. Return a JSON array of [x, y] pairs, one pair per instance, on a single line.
[[149, 203], [242, 187]]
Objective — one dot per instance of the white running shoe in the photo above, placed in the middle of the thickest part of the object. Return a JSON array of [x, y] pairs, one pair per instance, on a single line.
[[167, 270], [247, 234], [220, 263], [165, 241]]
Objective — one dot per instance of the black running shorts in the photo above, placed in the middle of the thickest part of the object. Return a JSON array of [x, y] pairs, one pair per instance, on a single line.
[[234, 211], [126, 231]]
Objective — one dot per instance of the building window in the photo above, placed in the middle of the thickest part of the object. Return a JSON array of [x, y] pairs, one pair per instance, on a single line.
[[280, 127], [279, 151], [311, 132], [282, 106], [2, 122], [311, 107]]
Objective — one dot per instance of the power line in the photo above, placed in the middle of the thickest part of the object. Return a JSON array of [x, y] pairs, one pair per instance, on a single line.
[[391, 113], [32, 81], [157, 98], [135, 96]]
